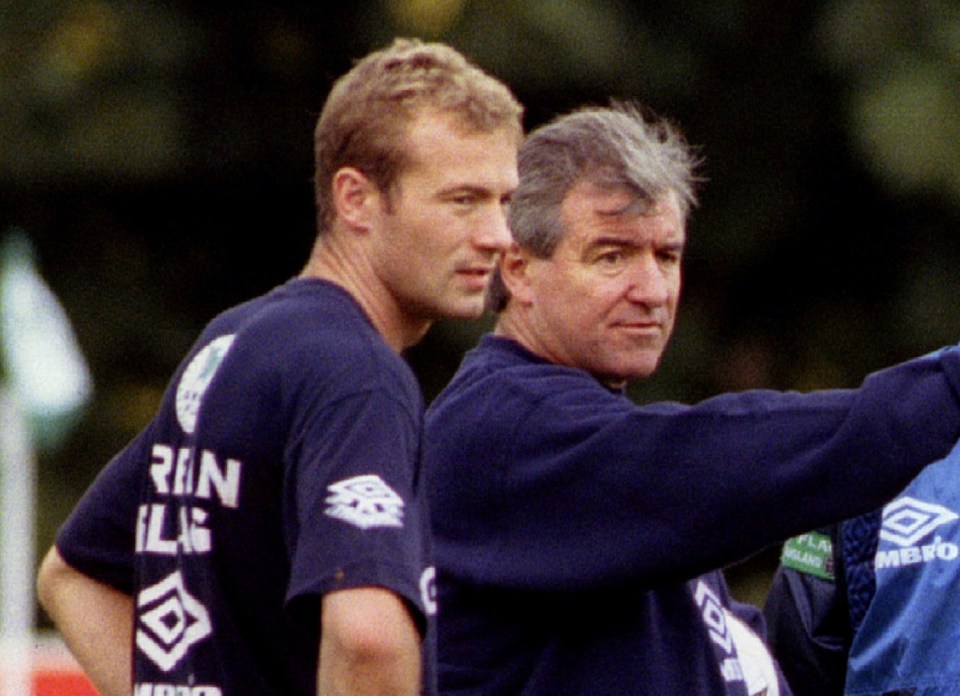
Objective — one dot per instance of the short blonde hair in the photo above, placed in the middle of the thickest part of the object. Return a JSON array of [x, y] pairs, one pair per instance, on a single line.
[[365, 118]]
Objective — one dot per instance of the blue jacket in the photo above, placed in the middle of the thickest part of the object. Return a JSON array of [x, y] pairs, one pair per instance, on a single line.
[[886, 620]]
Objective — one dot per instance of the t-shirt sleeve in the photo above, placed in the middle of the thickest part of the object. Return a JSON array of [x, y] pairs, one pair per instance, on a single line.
[[356, 515], [98, 538]]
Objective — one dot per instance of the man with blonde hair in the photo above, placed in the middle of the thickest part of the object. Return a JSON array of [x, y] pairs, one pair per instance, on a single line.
[[265, 533]]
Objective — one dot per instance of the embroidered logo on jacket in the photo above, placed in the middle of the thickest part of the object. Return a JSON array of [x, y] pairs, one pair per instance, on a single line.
[[365, 502], [906, 522]]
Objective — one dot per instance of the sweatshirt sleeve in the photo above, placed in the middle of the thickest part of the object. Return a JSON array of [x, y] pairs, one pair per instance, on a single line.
[[572, 489]]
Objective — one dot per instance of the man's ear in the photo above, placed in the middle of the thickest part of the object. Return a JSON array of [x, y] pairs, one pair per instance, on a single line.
[[355, 198], [515, 273]]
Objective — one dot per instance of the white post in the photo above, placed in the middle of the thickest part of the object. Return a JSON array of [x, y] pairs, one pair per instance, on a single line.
[[17, 539], [47, 379]]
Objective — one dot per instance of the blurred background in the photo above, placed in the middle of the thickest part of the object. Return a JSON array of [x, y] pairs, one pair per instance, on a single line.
[[158, 156]]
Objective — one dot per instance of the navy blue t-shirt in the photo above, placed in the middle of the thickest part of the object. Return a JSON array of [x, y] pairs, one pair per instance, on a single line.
[[281, 465], [569, 521]]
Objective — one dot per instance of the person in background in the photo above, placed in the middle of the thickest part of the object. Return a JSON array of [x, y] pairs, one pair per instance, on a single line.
[[577, 533], [265, 533], [866, 606]]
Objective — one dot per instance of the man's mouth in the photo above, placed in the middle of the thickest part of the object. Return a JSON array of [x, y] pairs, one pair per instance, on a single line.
[[476, 276], [644, 328]]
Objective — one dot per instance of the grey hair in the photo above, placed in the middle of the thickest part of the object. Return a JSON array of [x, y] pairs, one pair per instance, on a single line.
[[619, 146]]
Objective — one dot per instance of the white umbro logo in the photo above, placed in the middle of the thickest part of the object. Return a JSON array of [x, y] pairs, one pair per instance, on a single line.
[[713, 616], [908, 520], [170, 621], [715, 620], [365, 501]]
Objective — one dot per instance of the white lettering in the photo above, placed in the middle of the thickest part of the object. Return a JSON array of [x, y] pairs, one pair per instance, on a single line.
[[888, 559], [175, 690], [817, 542], [181, 475], [428, 590], [176, 475], [155, 543], [731, 670], [161, 467], [947, 551], [227, 485], [142, 513], [804, 557], [713, 616], [193, 537], [912, 555]]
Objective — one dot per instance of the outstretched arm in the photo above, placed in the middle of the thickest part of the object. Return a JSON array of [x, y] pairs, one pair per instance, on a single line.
[[368, 645], [95, 620]]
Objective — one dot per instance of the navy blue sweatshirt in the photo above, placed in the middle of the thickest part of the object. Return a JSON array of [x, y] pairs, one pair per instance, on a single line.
[[569, 521]]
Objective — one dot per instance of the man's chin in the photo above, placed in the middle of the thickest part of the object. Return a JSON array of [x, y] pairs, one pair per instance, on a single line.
[[468, 308], [639, 369]]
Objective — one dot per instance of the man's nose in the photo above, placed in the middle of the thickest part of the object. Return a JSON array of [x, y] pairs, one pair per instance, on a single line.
[[493, 233], [649, 281]]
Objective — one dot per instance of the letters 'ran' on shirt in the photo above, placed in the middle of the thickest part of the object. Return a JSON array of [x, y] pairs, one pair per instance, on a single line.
[[568, 520], [281, 465]]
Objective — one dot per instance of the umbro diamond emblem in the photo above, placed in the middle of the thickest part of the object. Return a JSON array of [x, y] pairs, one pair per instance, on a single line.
[[907, 520]]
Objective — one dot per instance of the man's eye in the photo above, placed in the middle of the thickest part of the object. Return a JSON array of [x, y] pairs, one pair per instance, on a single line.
[[611, 258], [669, 258]]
